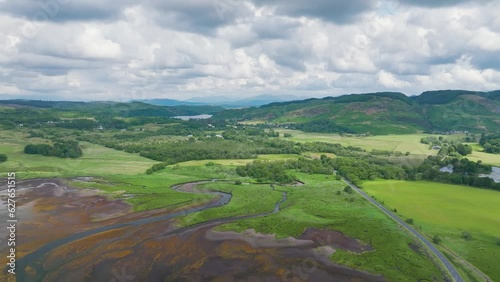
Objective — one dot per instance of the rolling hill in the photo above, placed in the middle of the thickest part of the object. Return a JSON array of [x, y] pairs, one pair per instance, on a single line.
[[373, 113], [230, 102], [383, 113], [131, 109]]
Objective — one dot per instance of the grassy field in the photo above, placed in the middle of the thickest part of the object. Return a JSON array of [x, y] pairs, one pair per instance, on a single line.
[[248, 199], [448, 211], [486, 158], [477, 155], [403, 143], [237, 162], [317, 204], [96, 160]]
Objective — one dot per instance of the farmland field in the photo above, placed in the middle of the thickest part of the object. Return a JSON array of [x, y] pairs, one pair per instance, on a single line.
[[96, 160], [403, 143], [234, 162], [448, 211], [478, 155]]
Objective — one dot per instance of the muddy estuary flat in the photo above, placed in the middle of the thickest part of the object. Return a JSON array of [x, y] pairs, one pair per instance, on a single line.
[[67, 234]]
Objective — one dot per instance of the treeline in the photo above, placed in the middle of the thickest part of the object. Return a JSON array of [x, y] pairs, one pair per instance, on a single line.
[[491, 143], [210, 148], [357, 170], [353, 169], [248, 143], [174, 152], [241, 143], [61, 149], [449, 147], [266, 172], [243, 133], [10, 118], [455, 150], [109, 123], [105, 114], [465, 172], [219, 148], [82, 124]]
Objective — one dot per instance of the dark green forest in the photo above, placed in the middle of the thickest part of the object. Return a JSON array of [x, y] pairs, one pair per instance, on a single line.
[[491, 143], [61, 149]]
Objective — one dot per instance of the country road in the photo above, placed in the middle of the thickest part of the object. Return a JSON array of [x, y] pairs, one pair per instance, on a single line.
[[451, 269]]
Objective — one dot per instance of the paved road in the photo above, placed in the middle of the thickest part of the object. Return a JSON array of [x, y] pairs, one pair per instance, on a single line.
[[451, 269]]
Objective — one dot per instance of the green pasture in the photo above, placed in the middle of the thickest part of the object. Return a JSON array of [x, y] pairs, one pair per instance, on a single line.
[[479, 155], [319, 204], [238, 162], [96, 160], [448, 211], [403, 143]]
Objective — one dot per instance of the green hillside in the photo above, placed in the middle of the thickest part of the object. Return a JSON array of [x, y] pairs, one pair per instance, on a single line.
[[111, 109], [383, 113]]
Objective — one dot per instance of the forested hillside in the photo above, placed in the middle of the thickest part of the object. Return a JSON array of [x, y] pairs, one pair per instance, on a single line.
[[383, 113], [374, 113]]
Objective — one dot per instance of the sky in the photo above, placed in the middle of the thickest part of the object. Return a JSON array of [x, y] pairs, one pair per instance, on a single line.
[[179, 49]]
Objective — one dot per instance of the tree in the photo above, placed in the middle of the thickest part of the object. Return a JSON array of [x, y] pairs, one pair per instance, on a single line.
[[463, 150], [61, 149], [466, 235], [409, 220], [348, 189], [3, 158], [8, 125], [436, 239]]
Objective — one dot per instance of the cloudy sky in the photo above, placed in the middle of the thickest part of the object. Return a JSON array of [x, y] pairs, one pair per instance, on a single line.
[[124, 50]]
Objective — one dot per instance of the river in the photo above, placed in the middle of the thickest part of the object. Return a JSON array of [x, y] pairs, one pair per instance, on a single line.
[[79, 235], [495, 172]]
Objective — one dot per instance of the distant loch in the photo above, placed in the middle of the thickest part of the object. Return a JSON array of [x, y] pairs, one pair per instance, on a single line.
[[193, 117]]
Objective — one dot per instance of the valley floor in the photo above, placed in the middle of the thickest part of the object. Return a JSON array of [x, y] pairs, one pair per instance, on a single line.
[[350, 236]]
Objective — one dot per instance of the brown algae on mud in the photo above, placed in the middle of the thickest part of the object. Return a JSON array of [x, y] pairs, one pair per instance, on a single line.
[[153, 251]]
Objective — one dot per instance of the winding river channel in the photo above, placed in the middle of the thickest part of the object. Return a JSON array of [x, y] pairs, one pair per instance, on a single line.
[[34, 259], [150, 247]]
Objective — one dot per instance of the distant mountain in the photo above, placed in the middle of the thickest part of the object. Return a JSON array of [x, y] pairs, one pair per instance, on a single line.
[[462, 110], [375, 113], [223, 101], [171, 102], [131, 109], [383, 113], [236, 102]]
